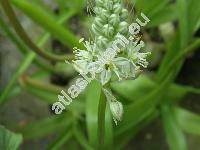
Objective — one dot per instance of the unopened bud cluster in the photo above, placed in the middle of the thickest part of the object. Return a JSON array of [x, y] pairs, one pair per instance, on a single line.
[[110, 19]]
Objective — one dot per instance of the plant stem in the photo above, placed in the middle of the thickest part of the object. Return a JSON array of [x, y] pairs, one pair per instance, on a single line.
[[101, 119], [22, 34]]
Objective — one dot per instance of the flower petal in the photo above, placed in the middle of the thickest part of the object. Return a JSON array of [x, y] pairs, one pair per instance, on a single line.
[[105, 76]]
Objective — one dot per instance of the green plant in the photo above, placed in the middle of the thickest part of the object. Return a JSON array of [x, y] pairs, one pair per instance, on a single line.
[[88, 119]]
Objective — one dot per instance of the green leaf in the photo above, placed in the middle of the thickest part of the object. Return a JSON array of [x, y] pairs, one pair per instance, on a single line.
[[69, 4], [141, 105], [78, 133], [173, 49], [123, 139], [138, 110], [133, 115], [133, 90], [29, 57], [188, 121], [182, 37], [92, 100], [99, 131], [194, 17], [167, 14], [45, 91], [49, 93], [150, 7], [45, 96], [9, 140], [46, 126], [174, 134], [182, 6], [179, 58], [12, 36], [57, 144], [48, 22], [22, 68], [43, 5]]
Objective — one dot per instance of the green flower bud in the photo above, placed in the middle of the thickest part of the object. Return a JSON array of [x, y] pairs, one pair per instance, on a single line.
[[98, 22], [108, 30], [109, 5], [117, 1], [99, 3], [102, 41], [117, 8], [98, 10], [95, 29], [105, 13], [124, 13], [114, 19], [116, 109], [123, 27]]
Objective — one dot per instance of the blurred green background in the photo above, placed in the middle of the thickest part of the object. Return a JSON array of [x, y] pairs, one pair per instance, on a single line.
[[161, 107]]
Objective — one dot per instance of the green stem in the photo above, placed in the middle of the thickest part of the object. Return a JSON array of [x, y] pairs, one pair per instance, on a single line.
[[22, 34], [101, 119]]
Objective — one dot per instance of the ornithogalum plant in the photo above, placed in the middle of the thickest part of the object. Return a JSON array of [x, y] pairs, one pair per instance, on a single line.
[[113, 53], [110, 54]]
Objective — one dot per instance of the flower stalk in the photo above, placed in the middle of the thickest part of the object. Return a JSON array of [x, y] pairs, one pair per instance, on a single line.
[[101, 118]]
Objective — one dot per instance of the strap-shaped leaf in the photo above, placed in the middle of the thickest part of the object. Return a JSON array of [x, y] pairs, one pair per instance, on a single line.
[[174, 134], [92, 101], [46, 126], [188, 121], [9, 140], [48, 22]]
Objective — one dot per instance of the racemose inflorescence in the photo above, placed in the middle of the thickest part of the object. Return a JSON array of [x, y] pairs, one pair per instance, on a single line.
[[114, 52]]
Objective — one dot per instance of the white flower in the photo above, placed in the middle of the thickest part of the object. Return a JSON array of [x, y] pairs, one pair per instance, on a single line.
[[125, 69], [80, 66], [105, 76], [109, 66], [136, 57], [122, 67], [142, 59], [84, 57]]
